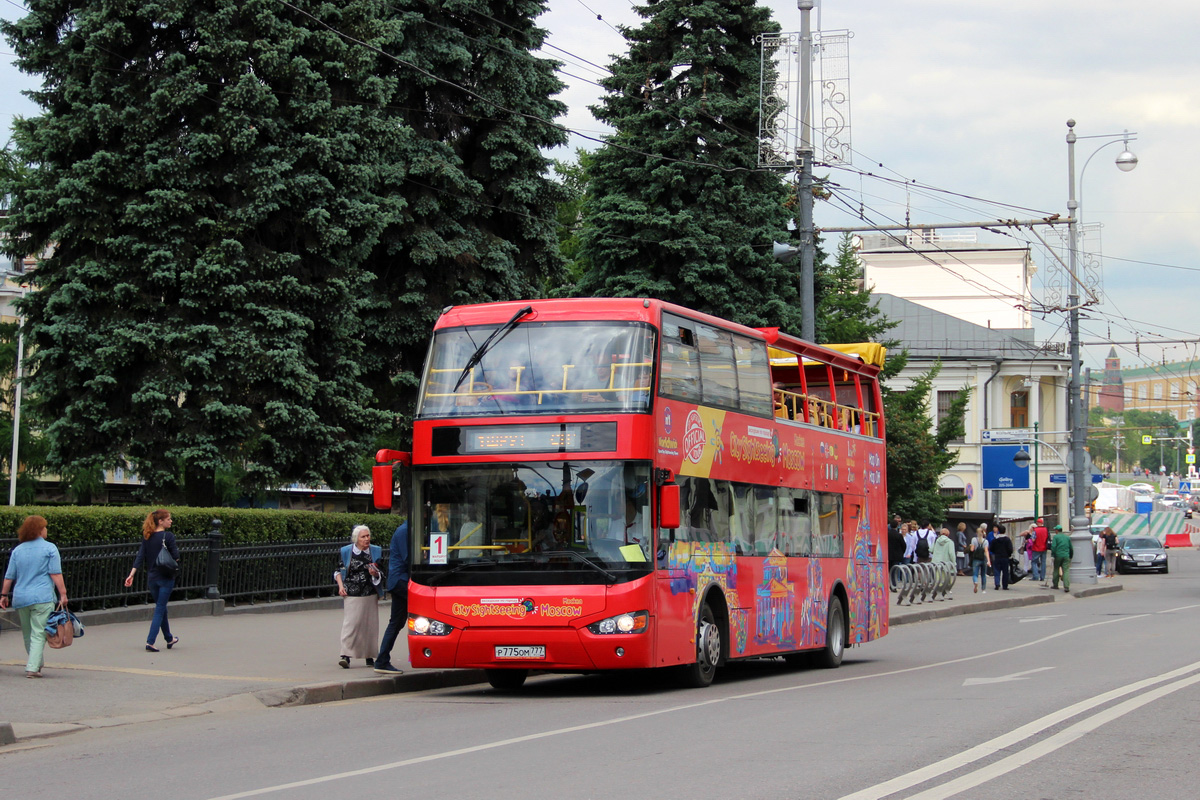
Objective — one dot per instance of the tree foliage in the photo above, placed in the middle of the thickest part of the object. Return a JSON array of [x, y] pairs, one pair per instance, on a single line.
[[844, 309], [918, 455], [201, 193], [677, 207], [252, 212], [474, 202], [573, 175], [1106, 428]]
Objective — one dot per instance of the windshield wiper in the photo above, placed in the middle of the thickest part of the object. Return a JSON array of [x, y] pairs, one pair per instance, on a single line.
[[585, 560], [491, 342]]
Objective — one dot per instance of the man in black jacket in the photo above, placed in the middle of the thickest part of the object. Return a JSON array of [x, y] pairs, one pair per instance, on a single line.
[[1002, 550]]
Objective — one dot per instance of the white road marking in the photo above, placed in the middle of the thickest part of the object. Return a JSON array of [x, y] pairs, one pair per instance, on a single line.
[[986, 749], [1016, 676], [1181, 608], [1042, 619], [1050, 744], [685, 707]]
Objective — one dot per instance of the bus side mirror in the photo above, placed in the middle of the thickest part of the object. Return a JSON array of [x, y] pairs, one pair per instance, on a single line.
[[668, 505], [382, 485], [382, 480]]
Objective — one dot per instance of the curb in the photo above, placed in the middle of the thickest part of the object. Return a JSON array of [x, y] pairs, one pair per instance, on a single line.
[[6, 734], [369, 687], [1092, 591], [144, 613], [207, 608], [901, 618], [288, 606]]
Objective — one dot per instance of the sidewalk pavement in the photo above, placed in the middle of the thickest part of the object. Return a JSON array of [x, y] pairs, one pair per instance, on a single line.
[[258, 656]]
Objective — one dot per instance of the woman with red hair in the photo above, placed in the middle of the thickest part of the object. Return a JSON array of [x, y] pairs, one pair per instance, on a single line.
[[34, 574], [157, 536]]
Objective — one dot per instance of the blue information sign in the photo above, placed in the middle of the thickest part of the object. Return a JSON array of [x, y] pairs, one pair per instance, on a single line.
[[999, 471], [1061, 477]]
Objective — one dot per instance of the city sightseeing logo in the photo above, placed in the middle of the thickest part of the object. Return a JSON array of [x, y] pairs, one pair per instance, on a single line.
[[694, 437]]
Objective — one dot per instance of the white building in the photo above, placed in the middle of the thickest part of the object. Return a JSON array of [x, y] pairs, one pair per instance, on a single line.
[[1014, 383], [988, 285]]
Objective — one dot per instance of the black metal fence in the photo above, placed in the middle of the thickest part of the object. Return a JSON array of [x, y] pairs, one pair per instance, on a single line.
[[95, 573]]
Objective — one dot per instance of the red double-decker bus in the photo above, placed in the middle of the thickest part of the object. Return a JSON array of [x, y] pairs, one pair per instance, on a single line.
[[604, 484]]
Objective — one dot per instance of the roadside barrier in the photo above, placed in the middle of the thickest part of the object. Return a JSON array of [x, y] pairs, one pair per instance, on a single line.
[[916, 582]]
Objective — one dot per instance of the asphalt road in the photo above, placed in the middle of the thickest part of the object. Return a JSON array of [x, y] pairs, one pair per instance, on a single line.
[[1095, 698]]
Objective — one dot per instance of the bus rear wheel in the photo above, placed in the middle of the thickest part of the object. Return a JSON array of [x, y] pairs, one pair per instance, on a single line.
[[708, 651], [835, 635], [507, 679]]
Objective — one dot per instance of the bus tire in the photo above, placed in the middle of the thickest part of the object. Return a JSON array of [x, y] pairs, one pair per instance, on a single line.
[[507, 679], [708, 651], [835, 636]]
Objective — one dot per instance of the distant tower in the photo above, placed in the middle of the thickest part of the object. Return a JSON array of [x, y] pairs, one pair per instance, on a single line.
[[1112, 391]]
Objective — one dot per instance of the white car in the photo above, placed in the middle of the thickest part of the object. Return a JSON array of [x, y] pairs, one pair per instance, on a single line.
[[1172, 500], [1142, 488]]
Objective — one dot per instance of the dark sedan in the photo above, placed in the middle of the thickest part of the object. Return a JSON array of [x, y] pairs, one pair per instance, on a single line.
[[1141, 554]]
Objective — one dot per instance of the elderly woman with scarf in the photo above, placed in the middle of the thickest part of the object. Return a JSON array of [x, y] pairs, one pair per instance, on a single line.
[[360, 582]]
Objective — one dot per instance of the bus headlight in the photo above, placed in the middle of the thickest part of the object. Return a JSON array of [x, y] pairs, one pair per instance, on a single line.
[[634, 622], [424, 626]]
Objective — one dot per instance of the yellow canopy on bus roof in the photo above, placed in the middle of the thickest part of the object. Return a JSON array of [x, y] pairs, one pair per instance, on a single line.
[[869, 352]]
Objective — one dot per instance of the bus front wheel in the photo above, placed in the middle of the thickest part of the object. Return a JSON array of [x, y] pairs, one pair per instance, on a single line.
[[835, 635], [507, 679], [708, 651]]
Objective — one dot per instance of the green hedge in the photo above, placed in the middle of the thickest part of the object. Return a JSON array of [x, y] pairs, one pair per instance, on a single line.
[[75, 525]]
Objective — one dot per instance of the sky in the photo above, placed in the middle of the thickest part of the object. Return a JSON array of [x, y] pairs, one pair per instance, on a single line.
[[970, 100]]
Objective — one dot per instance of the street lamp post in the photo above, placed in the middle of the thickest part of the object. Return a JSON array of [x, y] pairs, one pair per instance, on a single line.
[[1083, 568], [13, 459], [808, 313]]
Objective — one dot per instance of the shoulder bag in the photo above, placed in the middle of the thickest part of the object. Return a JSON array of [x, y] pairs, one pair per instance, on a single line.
[[165, 561]]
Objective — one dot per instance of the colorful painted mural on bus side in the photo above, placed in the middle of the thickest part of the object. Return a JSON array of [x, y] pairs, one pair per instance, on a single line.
[[781, 611]]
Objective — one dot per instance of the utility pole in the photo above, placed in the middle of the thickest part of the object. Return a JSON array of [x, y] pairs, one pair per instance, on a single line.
[[808, 305]]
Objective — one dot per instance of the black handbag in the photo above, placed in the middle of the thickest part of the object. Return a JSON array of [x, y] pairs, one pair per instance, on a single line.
[[1015, 572], [165, 562]]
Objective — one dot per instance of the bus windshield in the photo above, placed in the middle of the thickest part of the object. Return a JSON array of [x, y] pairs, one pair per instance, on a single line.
[[520, 522], [539, 368]]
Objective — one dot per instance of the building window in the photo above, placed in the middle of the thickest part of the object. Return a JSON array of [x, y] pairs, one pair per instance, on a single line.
[[960, 500], [1142, 391], [1050, 503], [1174, 391], [1158, 392], [1129, 394], [944, 400], [1018, 404]]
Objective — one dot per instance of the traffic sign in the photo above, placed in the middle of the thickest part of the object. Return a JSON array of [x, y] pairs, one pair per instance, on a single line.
[[1061, 477], [1147, 439], [1190, 458], [1005, 435]]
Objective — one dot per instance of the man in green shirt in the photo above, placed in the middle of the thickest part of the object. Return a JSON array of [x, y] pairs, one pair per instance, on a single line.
[[1061, 550]]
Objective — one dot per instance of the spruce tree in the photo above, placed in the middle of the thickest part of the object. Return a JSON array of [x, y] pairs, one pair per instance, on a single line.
[[917, 455], [203, 197], [678, 208], [844, 309], [475, 219]]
